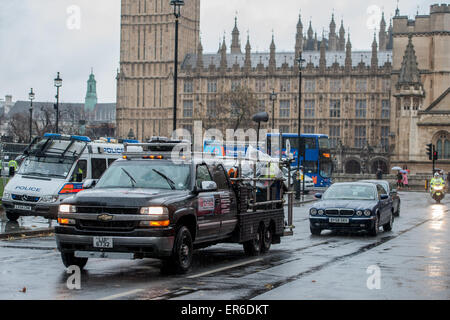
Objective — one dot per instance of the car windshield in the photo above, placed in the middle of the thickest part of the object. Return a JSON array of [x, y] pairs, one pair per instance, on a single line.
[[52, 167], [147, 175], [350, 192]]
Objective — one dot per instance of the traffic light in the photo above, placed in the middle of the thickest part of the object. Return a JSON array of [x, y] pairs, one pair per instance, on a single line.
[[430, 151], [435, 155]]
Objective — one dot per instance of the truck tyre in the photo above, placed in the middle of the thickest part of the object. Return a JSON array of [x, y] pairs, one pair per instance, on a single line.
[[69, 259], [181, 259], [267, 239], [253, 247], [12, 216]]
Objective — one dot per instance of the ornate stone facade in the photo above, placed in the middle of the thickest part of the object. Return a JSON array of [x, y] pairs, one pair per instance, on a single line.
[[421, 89], [346, 94]]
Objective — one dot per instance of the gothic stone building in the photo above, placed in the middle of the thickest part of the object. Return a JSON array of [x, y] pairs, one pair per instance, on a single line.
[[421, 89], [346, 94]]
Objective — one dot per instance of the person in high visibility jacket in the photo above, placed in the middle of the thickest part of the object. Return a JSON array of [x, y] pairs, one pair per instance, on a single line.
[[437, 180], [13, 166]]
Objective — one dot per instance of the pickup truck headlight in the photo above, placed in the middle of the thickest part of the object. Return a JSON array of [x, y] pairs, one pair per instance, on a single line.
[[155, 211], [67, 208], [6, 196], [49, 199], [367, 213]]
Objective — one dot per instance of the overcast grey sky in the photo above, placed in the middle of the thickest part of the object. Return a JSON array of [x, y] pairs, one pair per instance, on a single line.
[[40, 37]]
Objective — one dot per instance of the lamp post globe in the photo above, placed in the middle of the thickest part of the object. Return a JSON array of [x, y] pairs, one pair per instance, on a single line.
[[31, 96], [58, 84]]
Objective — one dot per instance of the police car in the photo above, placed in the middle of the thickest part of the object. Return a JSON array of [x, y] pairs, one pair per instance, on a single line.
[[53, 170]]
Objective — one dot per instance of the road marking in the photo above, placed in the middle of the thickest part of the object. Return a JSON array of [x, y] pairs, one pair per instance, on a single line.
[[120, 295], [224, 268]]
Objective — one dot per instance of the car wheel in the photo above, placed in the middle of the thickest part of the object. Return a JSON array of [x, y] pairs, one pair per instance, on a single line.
[[267, 239], [182, 253], [315, 231], [376, 227], [69, 259], [388, 226], [12, 216], [397, 213], [253, 247]]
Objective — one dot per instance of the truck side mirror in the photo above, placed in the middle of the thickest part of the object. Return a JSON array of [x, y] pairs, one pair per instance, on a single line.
[[318, 196], [89, 184], [384, 197], [208, 186]]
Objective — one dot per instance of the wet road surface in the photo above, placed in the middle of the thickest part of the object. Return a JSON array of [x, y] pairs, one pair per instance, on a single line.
[[413, 263]]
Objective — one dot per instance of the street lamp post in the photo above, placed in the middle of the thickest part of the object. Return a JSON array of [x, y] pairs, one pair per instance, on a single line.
[[58, 84], [176, 4], [273, 98], [31, 96], [300, 61]]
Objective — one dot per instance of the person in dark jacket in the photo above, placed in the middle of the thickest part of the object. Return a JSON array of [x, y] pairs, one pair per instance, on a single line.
[[379, 174]]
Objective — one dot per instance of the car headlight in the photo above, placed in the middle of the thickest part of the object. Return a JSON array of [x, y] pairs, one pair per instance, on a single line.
[[367, 213], [155, 211], [6, 196], [313, 211], [321, 212], [359, 213], [67, 208], [49, 199]]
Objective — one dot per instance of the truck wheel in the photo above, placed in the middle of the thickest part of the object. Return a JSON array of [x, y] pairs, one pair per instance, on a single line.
[[253, 247], [267, 239], [181, 259], [12, 216], [69, 259]]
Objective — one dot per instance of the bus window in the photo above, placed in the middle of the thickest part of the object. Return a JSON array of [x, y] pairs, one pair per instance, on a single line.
[[324, 143], [310, 167], [98, 167], [326, 168], [310, 143], [80, 172]]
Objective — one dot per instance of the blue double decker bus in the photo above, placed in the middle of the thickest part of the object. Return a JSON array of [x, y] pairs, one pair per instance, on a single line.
[[317, 163]]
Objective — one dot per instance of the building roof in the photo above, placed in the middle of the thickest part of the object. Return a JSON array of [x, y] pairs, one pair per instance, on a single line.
[[23, 107], [289, 58]]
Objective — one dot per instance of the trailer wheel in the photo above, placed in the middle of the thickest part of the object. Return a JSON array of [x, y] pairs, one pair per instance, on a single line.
[[267, 239], [12, 216], [253, 247], [69, 259]]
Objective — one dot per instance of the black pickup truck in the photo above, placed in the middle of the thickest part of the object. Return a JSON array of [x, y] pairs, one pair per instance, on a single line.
[[152, 207]]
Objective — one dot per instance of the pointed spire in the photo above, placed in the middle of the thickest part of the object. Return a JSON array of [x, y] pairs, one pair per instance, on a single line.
[[200, 55], [248, 55], [223, 55], [299, 38], [235, 42], [348, 55], [310, 31], [341, 46], [409, 72], [322, 61], [332, 24], [374, 61], [397, 11], [272, 60], [332, 39]]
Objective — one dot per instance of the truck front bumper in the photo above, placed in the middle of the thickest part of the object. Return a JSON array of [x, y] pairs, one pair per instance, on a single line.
[[139, 247]]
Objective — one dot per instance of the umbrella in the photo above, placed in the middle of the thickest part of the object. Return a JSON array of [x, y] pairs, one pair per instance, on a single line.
[[396, 168], [403, 171]]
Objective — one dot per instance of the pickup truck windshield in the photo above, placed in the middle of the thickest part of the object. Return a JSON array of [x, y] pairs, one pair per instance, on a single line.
[[147, 175], [52, 167]]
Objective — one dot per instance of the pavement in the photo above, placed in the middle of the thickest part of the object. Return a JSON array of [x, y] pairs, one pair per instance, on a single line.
[[410, 262]]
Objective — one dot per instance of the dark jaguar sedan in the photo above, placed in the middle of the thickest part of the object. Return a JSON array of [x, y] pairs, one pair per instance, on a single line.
[[353, 206]]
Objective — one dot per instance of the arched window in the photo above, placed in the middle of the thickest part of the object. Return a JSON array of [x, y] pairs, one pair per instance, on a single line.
[[443, 146]]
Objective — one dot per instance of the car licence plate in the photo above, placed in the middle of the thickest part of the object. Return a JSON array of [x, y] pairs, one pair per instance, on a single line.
[[103, 242], [339, 220], [19, 207]]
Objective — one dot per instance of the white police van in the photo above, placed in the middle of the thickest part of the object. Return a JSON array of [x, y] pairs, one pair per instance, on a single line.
[[54, 169]]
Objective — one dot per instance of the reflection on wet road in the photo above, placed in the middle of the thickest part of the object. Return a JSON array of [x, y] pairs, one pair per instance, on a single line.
[[414, 263]]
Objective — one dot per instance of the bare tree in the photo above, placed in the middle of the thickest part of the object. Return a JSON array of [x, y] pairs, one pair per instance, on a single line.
[[17, 128], [233, 110]]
